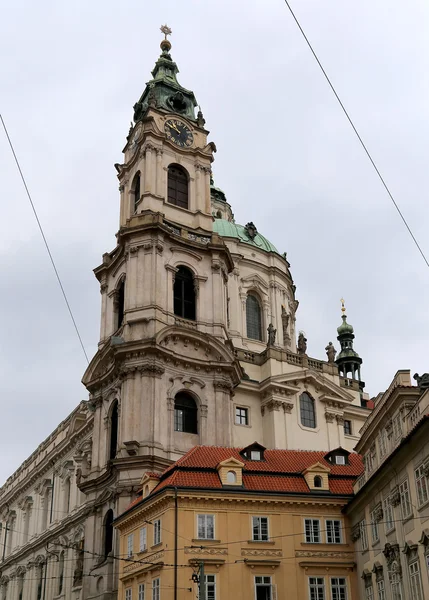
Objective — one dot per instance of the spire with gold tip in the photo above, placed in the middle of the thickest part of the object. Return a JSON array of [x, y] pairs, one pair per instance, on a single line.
[[348, 360], [164, 92]]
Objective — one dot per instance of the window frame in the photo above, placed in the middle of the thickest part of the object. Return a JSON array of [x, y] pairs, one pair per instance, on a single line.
[[381, 588], [156, 588], [336, 595], [264, 584], [141, 591], [128, 593], [185, 417], [210, 595], [310, 532], [316, 587], [130, 545], [205, 527], [184, 294], [369, 592], [363, 535], [388, 509], [349, 427], [405, 499], [333, 532], [375, 533], [172, 198], [261, 535], [418, 478], [238, 417], [302, 409], [254, 320], [416, 583], [143, 539], [157, 538]]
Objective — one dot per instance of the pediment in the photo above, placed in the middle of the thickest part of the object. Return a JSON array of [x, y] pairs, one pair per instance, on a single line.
[[326, 390], [317, 468], [231, 463], [255, 281], [194, 344]]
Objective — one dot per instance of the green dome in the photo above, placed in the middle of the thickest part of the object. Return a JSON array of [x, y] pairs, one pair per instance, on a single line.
[[248, 234], [344, 327]]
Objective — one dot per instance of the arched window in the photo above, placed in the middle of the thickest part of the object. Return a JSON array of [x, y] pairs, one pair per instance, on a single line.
[[113, 430], [178, 186], [307, 411], [185, 413], [318, 481], [231, 477], [120, 302], [108, 533], [253, 318], [135, 188], [184, 294], [61, 573], [40, 582], [20, 587]]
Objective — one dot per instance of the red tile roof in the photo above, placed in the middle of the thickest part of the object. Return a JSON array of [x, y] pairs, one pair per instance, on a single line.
[[281, 471]]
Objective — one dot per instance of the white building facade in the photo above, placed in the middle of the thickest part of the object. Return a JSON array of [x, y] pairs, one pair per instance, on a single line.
[[198, 345]]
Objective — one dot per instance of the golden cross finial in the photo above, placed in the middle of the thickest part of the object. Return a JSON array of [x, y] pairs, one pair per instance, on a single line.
[[165, 30], [343, 308]]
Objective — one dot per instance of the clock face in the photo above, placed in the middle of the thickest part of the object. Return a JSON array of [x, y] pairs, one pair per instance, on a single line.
[[178, 133]]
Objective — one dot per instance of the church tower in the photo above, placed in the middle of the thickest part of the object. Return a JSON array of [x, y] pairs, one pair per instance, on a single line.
[[198, 324]]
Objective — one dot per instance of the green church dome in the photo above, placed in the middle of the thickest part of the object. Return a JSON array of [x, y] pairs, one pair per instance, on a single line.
[[344, 327], [248, 234]]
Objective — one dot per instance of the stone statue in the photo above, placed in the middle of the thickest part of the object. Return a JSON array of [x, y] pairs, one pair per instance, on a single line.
[[331, 352], [78, 572], [271, 335], [285, 327], [302, 343], [422, 380]]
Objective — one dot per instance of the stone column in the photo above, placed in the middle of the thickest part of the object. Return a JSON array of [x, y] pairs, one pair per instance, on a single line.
[[160, 190], [148, 169], [198, 195], [208, 203]]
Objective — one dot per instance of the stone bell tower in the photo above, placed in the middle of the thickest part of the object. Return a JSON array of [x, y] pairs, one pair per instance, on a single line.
[[164, 368]]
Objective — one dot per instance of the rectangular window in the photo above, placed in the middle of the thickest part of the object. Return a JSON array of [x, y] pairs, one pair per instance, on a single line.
[[415, 581], [205, 525], [397, 427], [128, 594], [333, 532], [421, 485], [404, 494], [382, 442], [241, 416], [347, 427], [143, 539], [380, 590], [369, 593], [312, 531], [369, 462], [155, 589], [363, 535], [389, 523], [338, 588], [260, 529], [210, 587], [396, 586], [263, 588], [141, 591], [130, 544], [374, 528], [157, 532], [316, 586]]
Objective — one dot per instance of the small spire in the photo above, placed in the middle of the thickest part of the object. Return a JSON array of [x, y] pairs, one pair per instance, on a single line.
[[166, 30], [343, 308], [165, 44]]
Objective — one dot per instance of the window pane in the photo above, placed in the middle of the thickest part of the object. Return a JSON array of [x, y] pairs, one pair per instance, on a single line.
[[307, 411], [253, 318]]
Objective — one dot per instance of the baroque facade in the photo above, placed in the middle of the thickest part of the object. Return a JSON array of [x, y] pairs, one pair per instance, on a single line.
[[249, 522], [389, 513], [198, 345]]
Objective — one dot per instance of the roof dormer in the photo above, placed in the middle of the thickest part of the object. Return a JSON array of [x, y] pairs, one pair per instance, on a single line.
[[317, 477], [149, 482], [231, 471], [339, 456], [253, 452]]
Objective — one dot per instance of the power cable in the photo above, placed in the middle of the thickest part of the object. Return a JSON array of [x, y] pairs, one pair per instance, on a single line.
[[357, 134], [44, 238]]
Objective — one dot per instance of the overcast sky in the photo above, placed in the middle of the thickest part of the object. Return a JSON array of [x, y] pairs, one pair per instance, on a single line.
[[287, 160]]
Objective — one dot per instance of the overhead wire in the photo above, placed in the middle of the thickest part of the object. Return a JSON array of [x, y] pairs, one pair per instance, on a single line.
[[44, 239], [357, 133]]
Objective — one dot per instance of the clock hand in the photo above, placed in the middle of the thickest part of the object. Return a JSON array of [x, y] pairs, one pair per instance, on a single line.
[[173, 127]]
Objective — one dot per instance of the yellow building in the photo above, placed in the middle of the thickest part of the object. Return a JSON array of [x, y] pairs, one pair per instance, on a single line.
[[261, 524]]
